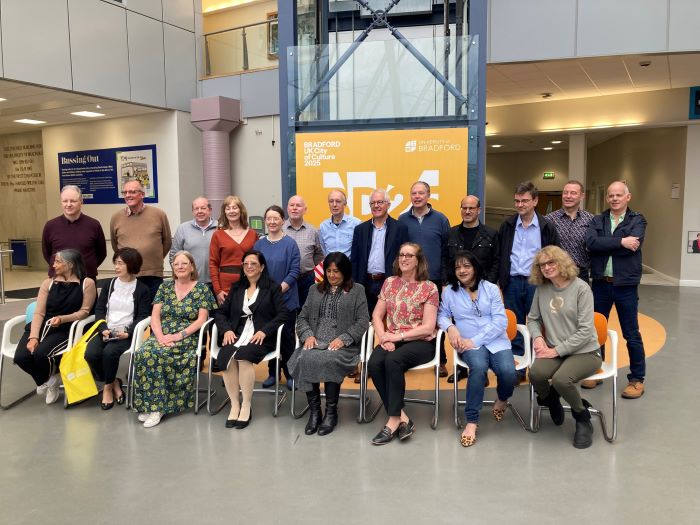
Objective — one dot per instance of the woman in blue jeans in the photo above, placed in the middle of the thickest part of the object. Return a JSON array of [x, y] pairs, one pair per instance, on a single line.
[[473, 315]]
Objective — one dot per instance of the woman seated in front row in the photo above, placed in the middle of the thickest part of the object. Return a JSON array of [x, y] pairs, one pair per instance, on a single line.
[[122, 304], [473, 315], [166, 365], [66, 297], [330, 327], [408, 302], [564, 338], [247, 322]]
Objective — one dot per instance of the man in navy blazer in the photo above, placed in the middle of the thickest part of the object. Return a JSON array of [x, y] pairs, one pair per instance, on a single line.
[[375, 246]]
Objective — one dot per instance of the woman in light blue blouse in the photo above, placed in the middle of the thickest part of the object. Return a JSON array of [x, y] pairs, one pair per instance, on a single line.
[[473, 315]]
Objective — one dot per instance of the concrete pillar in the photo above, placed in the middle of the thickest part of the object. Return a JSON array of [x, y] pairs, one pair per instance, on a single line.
[[216, 117], [577, 161]]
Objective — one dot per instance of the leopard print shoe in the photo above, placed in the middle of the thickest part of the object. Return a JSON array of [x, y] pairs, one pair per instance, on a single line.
[[468, 441]]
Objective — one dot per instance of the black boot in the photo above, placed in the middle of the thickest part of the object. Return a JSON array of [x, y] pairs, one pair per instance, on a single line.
[[314, 398], [556, 411], [331, 418], [583, 438]]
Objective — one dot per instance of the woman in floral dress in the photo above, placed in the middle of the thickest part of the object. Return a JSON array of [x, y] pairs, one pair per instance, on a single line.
[[166, 364]]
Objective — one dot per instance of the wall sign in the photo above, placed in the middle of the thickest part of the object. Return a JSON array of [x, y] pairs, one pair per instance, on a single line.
[[360, 161], [548, 175], [101, 173]]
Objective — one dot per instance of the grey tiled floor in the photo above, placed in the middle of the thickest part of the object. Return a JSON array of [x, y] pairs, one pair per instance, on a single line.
[[84, 465]]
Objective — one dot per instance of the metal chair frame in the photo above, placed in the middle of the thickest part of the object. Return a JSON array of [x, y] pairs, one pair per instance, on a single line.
[[276, 354], [607, 370], [433, 363], [136, 343], [522, 362], [359, 397]]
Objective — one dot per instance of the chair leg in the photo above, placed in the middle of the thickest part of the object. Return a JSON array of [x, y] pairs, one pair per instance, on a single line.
[[16, 401], [458, 423], [436, 408]]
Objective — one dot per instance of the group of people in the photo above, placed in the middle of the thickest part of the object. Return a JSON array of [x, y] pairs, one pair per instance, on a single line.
[[408, 275]]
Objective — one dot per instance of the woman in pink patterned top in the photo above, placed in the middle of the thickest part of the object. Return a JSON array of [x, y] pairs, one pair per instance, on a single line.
[[408, 302]]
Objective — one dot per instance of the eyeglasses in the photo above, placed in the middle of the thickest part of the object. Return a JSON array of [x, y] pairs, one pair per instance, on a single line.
[[518, 202], [469, 208], [545, 264], [407, 255], [132, 192], [475, 308], [376, 204]]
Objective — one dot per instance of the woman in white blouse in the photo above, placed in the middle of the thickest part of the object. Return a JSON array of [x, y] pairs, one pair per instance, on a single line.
[[121, 304], [247, 323]]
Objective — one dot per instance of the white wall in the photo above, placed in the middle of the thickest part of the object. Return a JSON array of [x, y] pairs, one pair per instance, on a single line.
[[176, 150], [690, 263], [140, 51], [547, 29]]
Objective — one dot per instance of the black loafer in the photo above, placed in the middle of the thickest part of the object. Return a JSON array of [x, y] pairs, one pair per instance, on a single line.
[[406, 430], [462, 373], [120, 400], [231, 423], [242, 424], [385, 436]]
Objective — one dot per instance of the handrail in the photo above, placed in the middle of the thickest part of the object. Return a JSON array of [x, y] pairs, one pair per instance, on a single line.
[[268, 21]]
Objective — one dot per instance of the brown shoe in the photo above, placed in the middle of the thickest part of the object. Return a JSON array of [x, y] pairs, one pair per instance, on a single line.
[[633, 390], [443, 371], [591, 383]]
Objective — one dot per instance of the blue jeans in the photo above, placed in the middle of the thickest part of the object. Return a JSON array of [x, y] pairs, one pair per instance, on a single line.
[[518, 296], [626, 301], [479, 361]]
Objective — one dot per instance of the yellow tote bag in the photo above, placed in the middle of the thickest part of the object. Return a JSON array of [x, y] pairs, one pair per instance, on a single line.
[[75, 371]]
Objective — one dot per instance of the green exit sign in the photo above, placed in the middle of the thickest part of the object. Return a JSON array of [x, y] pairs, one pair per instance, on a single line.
[[548, 175]]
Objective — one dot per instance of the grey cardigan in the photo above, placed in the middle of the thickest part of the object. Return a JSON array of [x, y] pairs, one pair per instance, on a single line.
[[353, 315]]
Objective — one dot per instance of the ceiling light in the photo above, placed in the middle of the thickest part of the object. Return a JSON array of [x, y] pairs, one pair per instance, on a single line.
[[556, 142], [547, 148], [2, 99], [89, 114], [496, 145], [98, 106], [30, 121]]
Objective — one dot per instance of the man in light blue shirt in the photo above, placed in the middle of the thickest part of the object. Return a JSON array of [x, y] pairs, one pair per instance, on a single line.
[[336, 232]]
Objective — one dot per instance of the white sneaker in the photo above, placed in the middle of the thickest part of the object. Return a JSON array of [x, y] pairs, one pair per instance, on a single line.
[[41, 389], [143, 416], [153, 419], [53, 389]]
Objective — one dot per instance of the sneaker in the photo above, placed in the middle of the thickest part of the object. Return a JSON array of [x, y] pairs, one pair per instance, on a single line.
[[143, 416], [53, 389], [591, 383], [269, 382], [153, 419], [41, 389], [633, 390]]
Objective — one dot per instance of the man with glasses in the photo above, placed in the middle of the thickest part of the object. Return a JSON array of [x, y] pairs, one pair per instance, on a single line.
[[145, 229], [479, 239], [521, 236], [375, 246], [614, 239], [572, 223], [336, 232], [195, 236], [429, 229]]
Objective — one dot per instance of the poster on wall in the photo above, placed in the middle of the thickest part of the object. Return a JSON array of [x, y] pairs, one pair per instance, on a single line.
[[101, 173], [694, 242], [360, 161]]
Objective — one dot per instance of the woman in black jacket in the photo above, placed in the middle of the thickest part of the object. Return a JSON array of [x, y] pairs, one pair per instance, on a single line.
[[121, 304], [247, 321]]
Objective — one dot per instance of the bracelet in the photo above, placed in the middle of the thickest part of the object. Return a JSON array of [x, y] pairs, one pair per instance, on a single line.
[[183, 334], [402, 336]]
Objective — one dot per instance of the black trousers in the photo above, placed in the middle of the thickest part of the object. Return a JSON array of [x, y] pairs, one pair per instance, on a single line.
[[103, 357], [387, 371], [44, 361], [372, 289], [287, 345], [153, 282], [443, 355]]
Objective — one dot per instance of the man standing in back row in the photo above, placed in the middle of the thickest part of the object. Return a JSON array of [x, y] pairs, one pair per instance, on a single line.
[[614, 240], [145, 229]]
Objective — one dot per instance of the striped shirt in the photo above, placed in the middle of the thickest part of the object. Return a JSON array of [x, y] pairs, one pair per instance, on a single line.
[[309, 244]]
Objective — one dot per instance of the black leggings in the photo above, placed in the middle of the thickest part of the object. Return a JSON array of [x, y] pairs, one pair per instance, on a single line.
[[387, 370], [44, 361], [103, 357]]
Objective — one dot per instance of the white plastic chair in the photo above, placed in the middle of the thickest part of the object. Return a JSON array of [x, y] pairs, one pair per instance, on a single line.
[[136, 344], [360, 397], [276, 354], [608, 370], [433, 363], [522, 362]]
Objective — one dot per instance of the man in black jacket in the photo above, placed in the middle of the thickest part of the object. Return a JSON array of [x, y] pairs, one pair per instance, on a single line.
[[522, 236], [614, 240]]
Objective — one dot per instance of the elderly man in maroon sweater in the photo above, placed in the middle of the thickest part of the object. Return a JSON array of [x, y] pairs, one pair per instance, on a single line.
[[74, 230]]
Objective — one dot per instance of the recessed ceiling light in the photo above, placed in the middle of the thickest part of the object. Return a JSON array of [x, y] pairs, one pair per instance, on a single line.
[[496, 145], [547, 148], [556, 142], [2, 99], [89, 114], [30, 121], [98, 106]]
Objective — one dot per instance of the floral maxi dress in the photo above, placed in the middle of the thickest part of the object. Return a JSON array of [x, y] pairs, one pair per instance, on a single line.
[[165, 376]]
